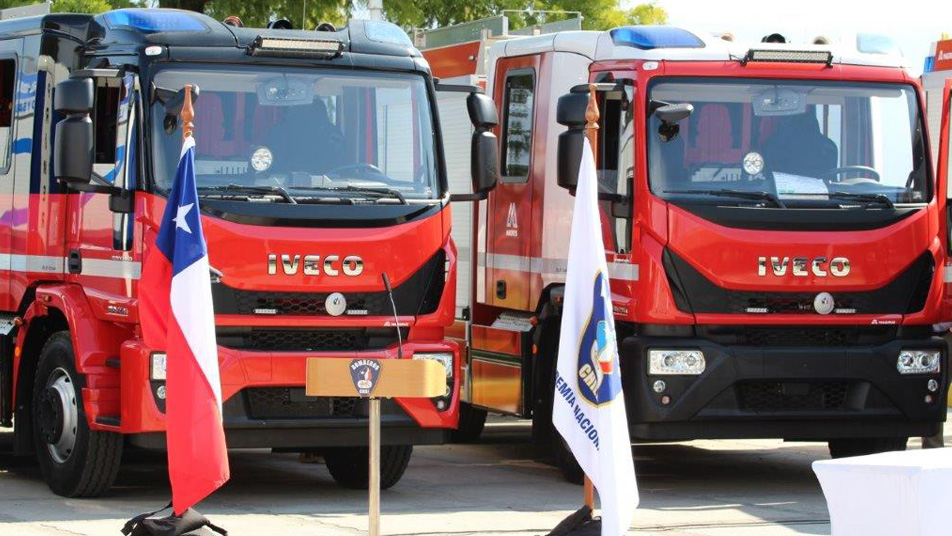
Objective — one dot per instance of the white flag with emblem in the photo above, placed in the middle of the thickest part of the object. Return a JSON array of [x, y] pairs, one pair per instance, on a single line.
[[589, 406]]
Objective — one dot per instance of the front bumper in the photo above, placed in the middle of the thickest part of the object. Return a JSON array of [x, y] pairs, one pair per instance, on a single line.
[[789, 392], [264, 403]]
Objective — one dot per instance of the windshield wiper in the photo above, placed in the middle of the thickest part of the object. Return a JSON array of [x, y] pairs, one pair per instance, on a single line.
[[882, 199], [253, 189], [366, 189], [745, 194]]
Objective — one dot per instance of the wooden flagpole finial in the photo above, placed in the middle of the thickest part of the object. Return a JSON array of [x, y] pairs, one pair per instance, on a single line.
[[591, 117], [188, 113]]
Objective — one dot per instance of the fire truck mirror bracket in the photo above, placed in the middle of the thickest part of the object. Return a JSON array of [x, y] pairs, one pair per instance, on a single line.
[[442, 86], [484, 159]]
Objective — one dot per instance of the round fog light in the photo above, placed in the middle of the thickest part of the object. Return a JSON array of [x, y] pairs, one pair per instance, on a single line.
[[261, 159], [660, 386], [933, 386], [160, 392]]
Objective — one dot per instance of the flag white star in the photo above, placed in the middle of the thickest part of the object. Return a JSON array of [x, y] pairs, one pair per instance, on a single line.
[[179, 218]]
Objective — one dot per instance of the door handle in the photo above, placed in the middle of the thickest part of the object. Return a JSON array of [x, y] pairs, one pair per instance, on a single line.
[[75, 263]]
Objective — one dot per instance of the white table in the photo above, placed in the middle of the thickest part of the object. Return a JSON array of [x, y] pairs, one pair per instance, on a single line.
[[890, 494]]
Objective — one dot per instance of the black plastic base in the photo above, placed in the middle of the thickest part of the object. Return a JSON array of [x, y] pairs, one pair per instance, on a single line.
[[795, 392]]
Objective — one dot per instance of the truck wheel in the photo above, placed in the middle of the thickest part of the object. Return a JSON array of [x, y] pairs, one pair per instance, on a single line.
[[349, 466], [845, 448], [75, 461], [471, 423]]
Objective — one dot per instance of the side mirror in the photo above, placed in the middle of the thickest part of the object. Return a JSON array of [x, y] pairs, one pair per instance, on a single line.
[[674, 113], [570, 112], [73, 148], [484, 160], [670, 115], [482, 111]]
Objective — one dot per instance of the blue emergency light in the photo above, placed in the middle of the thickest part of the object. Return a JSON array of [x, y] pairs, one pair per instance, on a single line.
[[154, 20], [650, 37], [386, 32]]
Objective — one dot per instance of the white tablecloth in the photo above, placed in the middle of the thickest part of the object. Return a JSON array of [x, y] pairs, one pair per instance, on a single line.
[[890, 494]]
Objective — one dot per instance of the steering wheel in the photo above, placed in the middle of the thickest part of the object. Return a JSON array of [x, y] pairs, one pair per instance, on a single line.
[[358, 166], [847, 169]]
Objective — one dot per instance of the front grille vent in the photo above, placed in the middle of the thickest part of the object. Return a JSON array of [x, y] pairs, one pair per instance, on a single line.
[[779, 336], [291, 403], [307, 339], [792, 396]]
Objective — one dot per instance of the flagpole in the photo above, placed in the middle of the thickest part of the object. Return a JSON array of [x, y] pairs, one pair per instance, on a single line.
[[591, 131], [188, 113]]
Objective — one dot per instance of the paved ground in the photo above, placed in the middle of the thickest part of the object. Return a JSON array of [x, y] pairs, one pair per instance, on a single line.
[[702, 488]]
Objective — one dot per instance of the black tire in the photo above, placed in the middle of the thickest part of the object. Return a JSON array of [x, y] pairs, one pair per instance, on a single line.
[[544, 435], [90, 467], [471, 423], [349, 466], [861, 446]]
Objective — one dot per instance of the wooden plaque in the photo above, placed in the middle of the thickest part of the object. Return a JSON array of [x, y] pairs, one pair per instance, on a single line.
[[420, 378]]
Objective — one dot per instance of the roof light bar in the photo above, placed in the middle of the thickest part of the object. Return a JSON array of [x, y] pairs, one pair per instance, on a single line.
[[789, 56], [386, 32], [296, 48], [649, 37], [154, 20]]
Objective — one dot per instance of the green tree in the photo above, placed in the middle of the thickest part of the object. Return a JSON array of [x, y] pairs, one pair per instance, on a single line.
[[72, 6], [257, 13], [596, 14]]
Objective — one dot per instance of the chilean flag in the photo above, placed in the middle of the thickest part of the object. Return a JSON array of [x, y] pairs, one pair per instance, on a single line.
[[175, 309]]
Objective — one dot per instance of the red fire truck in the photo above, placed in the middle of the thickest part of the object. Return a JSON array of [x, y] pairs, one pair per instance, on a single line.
[[775, 228], [326, 211]]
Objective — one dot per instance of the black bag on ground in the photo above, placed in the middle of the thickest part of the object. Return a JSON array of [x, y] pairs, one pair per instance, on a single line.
[[172, 525], [581, 523]]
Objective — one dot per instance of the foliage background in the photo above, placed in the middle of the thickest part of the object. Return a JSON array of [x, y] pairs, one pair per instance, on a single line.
[[597, 14]]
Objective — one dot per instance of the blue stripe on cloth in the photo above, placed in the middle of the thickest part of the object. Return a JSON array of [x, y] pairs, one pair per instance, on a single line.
[[180, 234]]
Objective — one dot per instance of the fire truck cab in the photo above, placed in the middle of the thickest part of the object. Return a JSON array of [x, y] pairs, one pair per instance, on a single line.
[[775, 229], [320, 170]]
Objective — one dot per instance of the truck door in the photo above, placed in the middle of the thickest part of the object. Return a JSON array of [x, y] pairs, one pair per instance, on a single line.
[[9, 55], [945, 188], [615, 162], [10, 52], [509, 260], [100, 255]]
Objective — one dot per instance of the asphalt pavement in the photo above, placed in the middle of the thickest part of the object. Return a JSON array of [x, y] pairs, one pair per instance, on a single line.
[[698, 488]]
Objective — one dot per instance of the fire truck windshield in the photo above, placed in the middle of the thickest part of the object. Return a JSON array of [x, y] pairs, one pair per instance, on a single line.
[[287, 135], [806, 143]]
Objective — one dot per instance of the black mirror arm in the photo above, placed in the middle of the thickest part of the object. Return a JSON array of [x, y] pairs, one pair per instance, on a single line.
[[121, 200], [478, 196], [441, 86]]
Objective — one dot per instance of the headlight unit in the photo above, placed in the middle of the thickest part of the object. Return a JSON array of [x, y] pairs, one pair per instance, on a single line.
[[919, 361], [157, 367], [445, 359], [676, 362]]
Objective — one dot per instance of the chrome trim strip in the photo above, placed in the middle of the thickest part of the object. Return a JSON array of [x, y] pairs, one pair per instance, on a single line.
[[550, 266]]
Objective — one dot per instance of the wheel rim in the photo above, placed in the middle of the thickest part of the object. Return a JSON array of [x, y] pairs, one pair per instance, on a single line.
[[59, 415]]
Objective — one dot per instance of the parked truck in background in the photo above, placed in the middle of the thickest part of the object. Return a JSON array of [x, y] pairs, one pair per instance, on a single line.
[[320, 169], [776, 231]]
